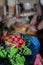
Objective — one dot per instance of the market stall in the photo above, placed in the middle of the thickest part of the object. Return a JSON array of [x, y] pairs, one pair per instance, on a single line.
[[19, 44]]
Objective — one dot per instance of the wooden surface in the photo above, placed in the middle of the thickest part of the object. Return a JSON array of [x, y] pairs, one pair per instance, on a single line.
[[22, 29]]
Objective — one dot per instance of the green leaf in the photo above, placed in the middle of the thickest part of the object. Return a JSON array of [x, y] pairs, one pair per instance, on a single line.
[[7, 42], [8, 50], [19, 64], [1, 47], [27, 51], [23, 46], [13, 52], [4, 52], [12, 62], [2, 55], [19, 59]]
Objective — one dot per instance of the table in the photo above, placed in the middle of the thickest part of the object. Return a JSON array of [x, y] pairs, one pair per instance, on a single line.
[[22, 29]]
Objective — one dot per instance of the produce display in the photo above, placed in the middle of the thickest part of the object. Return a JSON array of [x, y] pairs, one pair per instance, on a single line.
[[15, 50]]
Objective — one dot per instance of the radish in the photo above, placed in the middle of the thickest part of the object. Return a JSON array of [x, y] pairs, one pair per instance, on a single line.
[[17, 45], [5, 37], [16, 39], [11, 40], [13, 36], [14, 42], [9, 45], [19, 36], [22, 41]]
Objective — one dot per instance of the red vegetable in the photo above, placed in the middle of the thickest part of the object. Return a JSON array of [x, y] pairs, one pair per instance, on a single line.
[[17, 45], [5, 37], [22, 41], [16, 39], [13, 36], [11, 40], [9, 45], [14, 42], [19, 36]]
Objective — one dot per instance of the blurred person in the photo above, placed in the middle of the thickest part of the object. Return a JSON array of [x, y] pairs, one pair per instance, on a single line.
[[38, 15], [36, 25]]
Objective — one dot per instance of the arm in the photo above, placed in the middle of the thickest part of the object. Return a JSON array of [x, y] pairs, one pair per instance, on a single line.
[[40, 26], [34, 19]]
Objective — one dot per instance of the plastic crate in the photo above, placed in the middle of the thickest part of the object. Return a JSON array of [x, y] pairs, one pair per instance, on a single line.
[[34, 46]]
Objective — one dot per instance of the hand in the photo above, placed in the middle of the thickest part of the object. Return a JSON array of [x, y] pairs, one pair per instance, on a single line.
[[33, 28], [40, 26], [34, 20]]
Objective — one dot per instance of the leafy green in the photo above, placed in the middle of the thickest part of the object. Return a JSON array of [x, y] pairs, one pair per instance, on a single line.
[[13, 52], [8, 50], [20, 59], [12, 62], [2, 55], [26, 50], [15, 55]]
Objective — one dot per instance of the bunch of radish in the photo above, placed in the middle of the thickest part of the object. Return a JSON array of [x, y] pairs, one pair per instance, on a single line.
[[17, 40]]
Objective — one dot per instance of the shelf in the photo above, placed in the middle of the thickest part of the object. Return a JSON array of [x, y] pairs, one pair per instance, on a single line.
[[27, 14]]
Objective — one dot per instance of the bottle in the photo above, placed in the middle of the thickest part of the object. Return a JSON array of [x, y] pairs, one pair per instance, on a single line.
[[5, 12], [17, 8]]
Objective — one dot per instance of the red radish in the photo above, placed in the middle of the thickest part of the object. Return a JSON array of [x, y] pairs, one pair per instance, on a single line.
[[15, 42], [24, 41], [16, 39], [9, 45], [5, 37], [19, 36], [13, 36], [17, 45], [21, 41], [11, 40]]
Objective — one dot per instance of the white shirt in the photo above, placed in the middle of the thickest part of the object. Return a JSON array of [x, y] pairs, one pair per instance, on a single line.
[[41, 2]]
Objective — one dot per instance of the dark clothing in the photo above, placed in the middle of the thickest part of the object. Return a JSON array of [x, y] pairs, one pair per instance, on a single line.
[[40, 32], [41, 8], [40, 36]]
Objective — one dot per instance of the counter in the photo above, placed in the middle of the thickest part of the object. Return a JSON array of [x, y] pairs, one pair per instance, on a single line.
[[22, 29]]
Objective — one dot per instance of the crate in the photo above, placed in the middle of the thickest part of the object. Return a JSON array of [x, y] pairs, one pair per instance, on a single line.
[[34, 46]]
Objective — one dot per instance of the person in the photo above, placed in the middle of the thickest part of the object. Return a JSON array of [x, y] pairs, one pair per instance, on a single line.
[[39, 14], [36, 25]]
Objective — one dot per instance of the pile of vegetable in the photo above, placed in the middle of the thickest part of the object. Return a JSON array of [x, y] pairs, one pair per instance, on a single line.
[[14, 50]]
